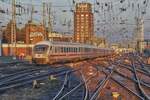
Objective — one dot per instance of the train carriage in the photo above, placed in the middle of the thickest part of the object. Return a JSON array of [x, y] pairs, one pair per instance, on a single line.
[[48, 52]]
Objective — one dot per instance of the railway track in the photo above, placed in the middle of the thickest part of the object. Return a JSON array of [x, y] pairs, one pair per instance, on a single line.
[[141, 63], [66, 87], [138, 81], [145, 97], [73, 90], [27, 77], [122, 84], [141, 90], [101, 85]]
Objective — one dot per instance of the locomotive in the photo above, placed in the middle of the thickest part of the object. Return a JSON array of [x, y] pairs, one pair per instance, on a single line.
[[48, 52]]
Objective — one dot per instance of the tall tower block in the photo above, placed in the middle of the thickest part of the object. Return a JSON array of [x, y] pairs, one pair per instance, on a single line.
[[139, 34], [83, 23]]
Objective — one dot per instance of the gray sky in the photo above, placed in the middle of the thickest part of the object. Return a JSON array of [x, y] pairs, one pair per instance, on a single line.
[[108, 16]]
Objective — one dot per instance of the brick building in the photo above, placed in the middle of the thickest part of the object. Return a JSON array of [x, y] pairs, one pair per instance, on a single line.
[[83, 23], [55, 36], [27, 37], [34, 33], [30, 34], [6, 37]]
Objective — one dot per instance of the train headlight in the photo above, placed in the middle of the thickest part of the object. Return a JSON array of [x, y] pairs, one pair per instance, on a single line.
[[115, 94], [38, 55]]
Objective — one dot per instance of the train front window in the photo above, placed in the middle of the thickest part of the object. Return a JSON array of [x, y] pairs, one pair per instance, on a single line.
[[41, 48]]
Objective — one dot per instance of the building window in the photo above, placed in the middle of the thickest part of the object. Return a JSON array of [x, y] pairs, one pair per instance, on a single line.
[[82, 15]]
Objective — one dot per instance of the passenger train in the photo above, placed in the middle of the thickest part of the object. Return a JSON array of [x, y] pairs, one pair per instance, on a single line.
[[48, 52]]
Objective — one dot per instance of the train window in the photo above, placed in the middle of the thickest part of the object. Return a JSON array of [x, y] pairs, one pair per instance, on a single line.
[[55, 49], [76, 50], [58, 49], [61, 49], [79, 49], [65, 49], [50, 48], [41, 48], [71, 49], [83, 49]]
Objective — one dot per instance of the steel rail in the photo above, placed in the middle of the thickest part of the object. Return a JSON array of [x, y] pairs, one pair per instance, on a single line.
[[86, 94], [142, 65], [19, 78], [123, 85], [128, 89], [101, 85], [125, 66], [63, 87], [15, 76], [141, 62], [142, 92], [30, 79], [132, 79], [77, 87]]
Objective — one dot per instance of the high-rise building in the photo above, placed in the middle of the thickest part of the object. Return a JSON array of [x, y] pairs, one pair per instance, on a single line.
[[83, 23], [139, 35]]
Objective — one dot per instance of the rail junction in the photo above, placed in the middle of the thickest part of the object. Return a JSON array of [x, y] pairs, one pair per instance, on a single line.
[[120, 77]]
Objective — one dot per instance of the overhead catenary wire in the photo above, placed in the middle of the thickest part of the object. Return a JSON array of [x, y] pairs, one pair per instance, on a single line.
[[110, 11]]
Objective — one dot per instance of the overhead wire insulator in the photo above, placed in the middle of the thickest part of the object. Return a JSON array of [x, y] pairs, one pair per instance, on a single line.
[[18, 6], [7, 11], [64, 10], [97, 2], [2, 11], [121, 1]]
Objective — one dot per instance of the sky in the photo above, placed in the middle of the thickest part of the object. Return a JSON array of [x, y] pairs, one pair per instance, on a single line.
[[113, 19]]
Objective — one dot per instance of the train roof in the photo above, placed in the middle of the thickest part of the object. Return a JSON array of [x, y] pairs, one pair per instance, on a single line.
[[62, 43], [68, 44]]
